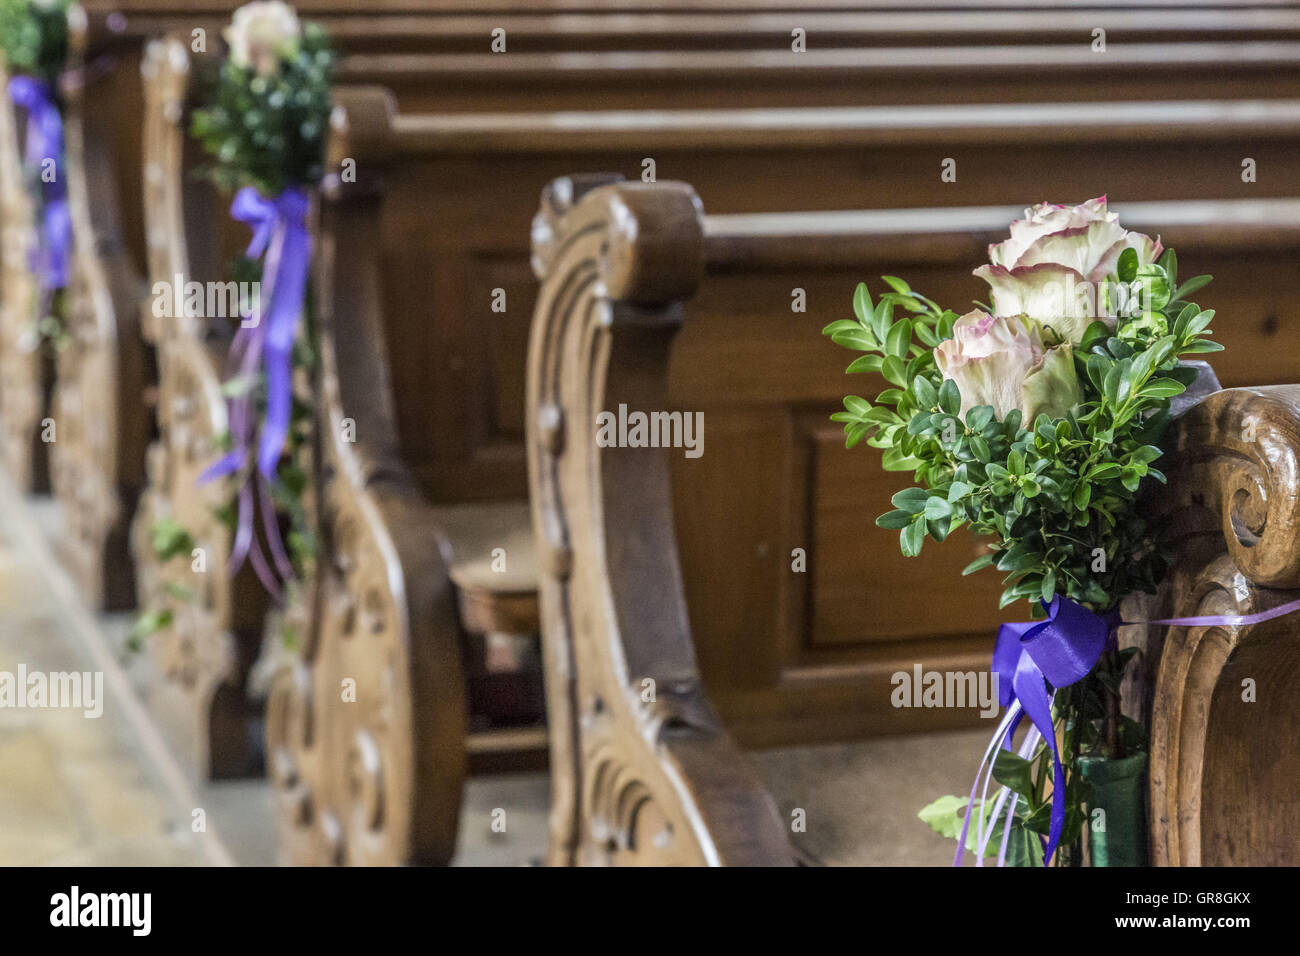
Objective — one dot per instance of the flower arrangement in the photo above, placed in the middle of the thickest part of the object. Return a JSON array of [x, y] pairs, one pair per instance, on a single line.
[[1035, 422], [267, 123], [34, 39], [265, 131]]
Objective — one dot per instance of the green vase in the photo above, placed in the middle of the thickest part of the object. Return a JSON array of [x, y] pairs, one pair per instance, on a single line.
[[1118, 787]]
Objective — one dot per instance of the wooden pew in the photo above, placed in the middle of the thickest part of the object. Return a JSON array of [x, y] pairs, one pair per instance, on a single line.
[[101, 474], [441, 171], [823, 626], [1218, 701], [747, 74], [638, 299], [26, 370], [465, 95]]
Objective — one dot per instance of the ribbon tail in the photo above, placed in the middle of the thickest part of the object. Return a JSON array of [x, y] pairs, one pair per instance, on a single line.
[[1031, 691], [998, 735], [227, 464], [271, 523], [58, 242], [243, 530], [282, 321]]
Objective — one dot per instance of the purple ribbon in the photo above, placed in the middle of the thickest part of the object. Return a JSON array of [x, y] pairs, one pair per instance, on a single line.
[[45, 142], [280, 233], [1060, 650]]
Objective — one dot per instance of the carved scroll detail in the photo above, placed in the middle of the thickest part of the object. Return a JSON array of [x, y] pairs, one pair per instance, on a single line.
[[636, 777], [1224, 710], [1237, 456]]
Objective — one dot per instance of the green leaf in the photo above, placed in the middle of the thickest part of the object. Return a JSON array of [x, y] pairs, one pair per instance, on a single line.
[[911, 500], [1200, 322], [1023, 846], [899, 338], [924, 393], [148, 623], [978, 418], [944, 816], [1013, 772], [950, 397], [983, 561], [911, 538], [857, 404], [862, 306], [170, 539], [894, 370], [1169, 262], [841, 325], [937, 508], [853, 434], [1127, 267], [857, 339], [1096, 332], [1192, 285], [894, 520], [895, 459], [1163, 388], [898, 285], [865, 363], [1082, 495], [882, 318], [1200, 346]]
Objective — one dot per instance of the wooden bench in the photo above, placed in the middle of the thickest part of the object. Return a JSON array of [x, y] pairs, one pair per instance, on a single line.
[[101, 472], [500, 262], [638, 288], [107, 456], [204, 656], [26, 369]]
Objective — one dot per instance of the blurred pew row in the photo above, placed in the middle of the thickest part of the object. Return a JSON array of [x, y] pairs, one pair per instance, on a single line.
[[818, 169]]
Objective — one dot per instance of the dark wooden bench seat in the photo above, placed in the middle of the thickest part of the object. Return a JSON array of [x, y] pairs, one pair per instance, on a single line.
[[627, 270]]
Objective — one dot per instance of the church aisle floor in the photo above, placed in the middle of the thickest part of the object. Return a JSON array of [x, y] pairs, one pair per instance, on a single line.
[[107, 791], [74, 790]]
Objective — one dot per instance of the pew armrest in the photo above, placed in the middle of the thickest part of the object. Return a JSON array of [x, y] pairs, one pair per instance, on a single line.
[[1236, 458], [377, 781], [642, 770], [1221, 697]]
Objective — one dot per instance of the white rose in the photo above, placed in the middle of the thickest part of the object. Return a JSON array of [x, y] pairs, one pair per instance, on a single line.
[[1052, 267], [261, 34], [1001, 361]]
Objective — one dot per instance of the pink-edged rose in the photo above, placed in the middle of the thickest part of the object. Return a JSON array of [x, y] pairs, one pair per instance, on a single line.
[[1052, 267], [261, 34], [1001, 361]]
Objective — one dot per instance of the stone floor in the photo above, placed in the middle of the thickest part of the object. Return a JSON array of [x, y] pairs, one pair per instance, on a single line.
[[76, 790]]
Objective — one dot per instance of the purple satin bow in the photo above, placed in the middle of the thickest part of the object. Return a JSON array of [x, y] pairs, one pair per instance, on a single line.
[[45, 142], [1061, 649], [280, 233]]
